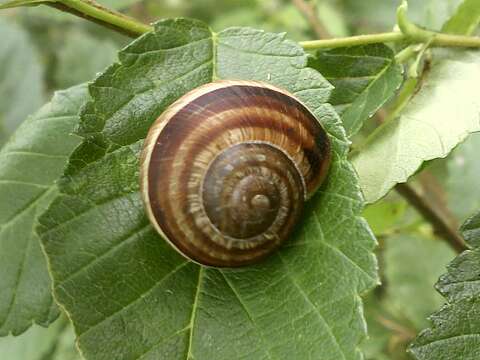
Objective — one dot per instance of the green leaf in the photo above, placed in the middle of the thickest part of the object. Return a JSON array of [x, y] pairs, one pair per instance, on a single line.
[[365, 77], [30, 163], [425, 130], [20, 77], [75, 63], [54, 343], [122, 284], [465, 20], [456, 326]]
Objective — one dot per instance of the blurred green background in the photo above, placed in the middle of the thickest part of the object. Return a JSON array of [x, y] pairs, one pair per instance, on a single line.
[[43, 50]]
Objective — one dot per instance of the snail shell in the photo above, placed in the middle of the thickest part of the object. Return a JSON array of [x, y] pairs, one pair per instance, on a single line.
[[227, 168]]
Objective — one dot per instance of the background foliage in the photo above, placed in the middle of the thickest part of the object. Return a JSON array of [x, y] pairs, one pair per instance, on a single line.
[[43, 50]]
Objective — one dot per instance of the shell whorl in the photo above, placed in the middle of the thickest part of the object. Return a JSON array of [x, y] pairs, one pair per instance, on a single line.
[[226, 170]]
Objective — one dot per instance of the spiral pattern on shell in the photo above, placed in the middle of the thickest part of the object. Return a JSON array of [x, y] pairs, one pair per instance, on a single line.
[[226, 170]]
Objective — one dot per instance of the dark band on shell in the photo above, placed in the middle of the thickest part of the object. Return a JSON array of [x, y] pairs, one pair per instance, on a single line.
[[226, 170]]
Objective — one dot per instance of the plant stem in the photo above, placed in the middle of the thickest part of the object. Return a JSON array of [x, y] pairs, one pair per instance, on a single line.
[[440, 224], [435, 194], [309, 11], [410, 32], [406, 54], [437, 40], [416, 34], [90, 10], [353, 41]]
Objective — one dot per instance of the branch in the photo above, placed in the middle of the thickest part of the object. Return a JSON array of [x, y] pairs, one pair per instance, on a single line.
[[309, 12], [440, 225], [90, 10], [411, 33], [416, 34], [353, 41]]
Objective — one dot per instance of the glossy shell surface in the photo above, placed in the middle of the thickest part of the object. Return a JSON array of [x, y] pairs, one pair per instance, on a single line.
[[226, 170]]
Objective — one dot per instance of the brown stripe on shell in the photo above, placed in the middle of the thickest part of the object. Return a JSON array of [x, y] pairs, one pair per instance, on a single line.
[[185, 140], [283, 113], [198, 240]]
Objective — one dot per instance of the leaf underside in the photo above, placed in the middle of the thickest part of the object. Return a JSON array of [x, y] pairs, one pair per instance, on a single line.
[[455, 331], [131, 296], [30, 163], [440, 116]]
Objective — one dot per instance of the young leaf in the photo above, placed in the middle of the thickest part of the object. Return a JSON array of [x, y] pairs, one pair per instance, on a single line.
[[465, 20], [456, 327], [54, 343], [365, 77], [440, 116], [129, 294], [20, 77], [30, 163]]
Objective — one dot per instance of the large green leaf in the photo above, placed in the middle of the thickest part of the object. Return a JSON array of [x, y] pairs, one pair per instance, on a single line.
[[455, 330], [30, 163], [440, 116], [365, 77], [20, 77], [129, 294]]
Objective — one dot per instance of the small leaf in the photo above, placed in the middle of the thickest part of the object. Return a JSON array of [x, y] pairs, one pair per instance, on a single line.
[[465, 20], [129, 294], [21, 77], [54, 343], [30, 163], [365, 77], [455, 328], [440, 116]]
